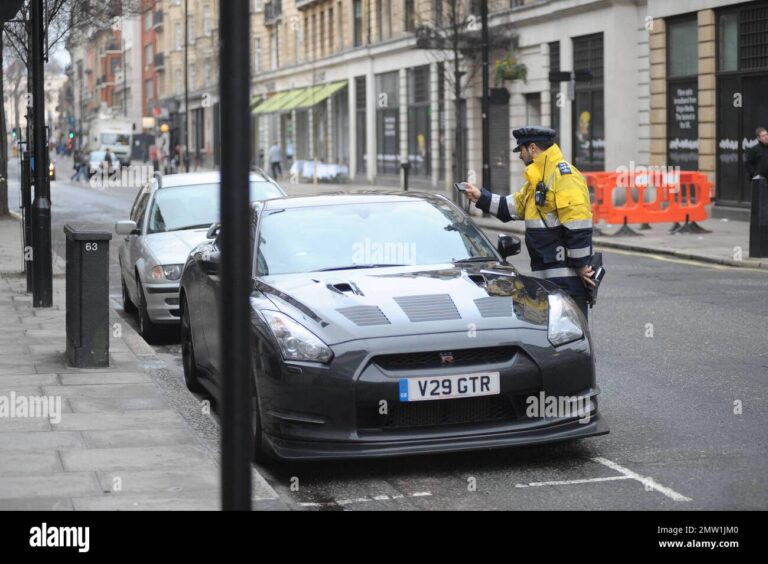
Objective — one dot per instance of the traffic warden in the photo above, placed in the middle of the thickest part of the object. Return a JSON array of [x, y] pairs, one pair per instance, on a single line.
[[554, 203]]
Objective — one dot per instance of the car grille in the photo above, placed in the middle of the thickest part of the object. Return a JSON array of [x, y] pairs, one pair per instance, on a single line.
[[461, 411], [439, 359]]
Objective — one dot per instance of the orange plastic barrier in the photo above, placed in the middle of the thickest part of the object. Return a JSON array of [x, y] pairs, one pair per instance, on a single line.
[[621, 198]]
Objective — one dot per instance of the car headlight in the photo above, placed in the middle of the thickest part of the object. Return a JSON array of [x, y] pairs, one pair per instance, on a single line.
[[564, 321], [296, 341], [166, 272]]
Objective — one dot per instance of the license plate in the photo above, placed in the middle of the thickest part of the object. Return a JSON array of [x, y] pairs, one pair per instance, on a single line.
[[449, 387]]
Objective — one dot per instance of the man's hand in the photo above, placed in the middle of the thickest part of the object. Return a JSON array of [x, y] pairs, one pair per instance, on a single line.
[[472, 192], [586, 273]]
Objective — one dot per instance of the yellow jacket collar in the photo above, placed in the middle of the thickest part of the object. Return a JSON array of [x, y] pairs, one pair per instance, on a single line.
[[535, 172]]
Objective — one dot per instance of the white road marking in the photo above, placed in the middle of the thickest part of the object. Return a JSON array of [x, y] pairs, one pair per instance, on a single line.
[[569, 482], [649, 483], [343, 502]]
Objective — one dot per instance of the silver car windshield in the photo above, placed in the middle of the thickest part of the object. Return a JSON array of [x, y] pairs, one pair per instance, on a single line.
[[176, 208], [341, 236]]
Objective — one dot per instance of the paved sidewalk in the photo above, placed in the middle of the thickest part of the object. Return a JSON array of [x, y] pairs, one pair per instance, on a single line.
[[728, 242], [121, 442]]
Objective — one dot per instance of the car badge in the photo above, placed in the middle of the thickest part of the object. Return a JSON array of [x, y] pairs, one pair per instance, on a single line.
[[446, 358]]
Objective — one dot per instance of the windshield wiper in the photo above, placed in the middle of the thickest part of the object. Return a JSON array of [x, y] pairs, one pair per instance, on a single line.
[[201, 226], [355, 266], [475, 259]]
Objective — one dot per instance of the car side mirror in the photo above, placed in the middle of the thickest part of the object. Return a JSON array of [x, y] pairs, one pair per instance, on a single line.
[[126, 228], [210, 262], [213, 231], [508, 245]]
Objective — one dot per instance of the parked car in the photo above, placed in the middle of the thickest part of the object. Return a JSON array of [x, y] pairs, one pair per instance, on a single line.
[[169, 217], [387, 325], [98, 165]]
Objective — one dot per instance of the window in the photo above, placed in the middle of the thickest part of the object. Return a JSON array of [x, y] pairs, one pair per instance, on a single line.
[[419, 121], [148, 54], [191, 28], [331, 38], [179, 84], [322, 35], [257, 55], [683, 93], [207, 20], [683, 55], [207, 72], [410, 15], [554, 66], [439, 13], [256, 5], [340, 25], [388, 123], [273, 49], [192, 77], [148, 20], [148, 89], [178, 35], [588, 106], [358, 14], [728, 42]]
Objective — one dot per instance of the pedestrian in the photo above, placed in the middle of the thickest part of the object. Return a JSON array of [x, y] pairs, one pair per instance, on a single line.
[[108, 160], [756, 158], [554, 203], [275, 158], [75, 166]]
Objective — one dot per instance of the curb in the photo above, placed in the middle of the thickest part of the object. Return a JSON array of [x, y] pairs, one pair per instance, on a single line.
[[609, 244]]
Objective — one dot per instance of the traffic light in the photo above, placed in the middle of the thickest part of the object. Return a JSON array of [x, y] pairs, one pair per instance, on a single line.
[[71, 134], [14, 133]]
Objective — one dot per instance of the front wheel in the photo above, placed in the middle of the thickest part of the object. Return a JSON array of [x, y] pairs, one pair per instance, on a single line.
[[262, 451], [192, 373], [148, 330]]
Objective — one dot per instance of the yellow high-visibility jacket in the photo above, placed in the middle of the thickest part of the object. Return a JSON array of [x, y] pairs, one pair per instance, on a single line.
[[559, 233]]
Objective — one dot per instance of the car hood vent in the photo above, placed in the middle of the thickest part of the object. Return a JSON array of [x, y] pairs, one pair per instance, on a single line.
[[495, 306], [364, 315], [430, 307], [344, 288]]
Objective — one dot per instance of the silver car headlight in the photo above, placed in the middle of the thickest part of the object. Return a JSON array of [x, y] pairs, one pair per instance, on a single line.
[[166, 272], [565, 322], [296, 341]]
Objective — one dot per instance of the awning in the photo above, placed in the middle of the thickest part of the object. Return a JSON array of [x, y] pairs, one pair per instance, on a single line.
[[256, 101], [268, 106], [320, 94], [298, 99]]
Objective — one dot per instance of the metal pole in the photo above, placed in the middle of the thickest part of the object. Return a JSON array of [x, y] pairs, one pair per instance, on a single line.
[[237, 435], [185, 154], [42, 291], [486, 99], [26, 204]]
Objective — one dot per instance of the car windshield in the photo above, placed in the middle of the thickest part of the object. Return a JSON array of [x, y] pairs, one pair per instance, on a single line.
[[98, 156], [195, 207], [115, 139], [333, 237]]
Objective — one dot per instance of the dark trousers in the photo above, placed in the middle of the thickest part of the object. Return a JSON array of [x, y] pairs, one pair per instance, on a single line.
[[276, 169]]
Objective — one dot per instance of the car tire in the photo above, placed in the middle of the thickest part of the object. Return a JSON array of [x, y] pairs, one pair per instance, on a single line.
[[128, 305], [147, 329], [192, 373], [262, 451]]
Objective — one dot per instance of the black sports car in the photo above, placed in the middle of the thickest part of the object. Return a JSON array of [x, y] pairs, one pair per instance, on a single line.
[[387, 324]]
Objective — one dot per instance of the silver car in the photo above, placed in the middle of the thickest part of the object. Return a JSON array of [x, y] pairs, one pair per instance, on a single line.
[[170, 216]]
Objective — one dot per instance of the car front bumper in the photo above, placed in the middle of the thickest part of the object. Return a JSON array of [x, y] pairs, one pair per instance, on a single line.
[[350, 408], [163, 302]]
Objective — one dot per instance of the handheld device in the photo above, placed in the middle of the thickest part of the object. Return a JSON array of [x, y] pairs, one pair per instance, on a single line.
[[460, 186]]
